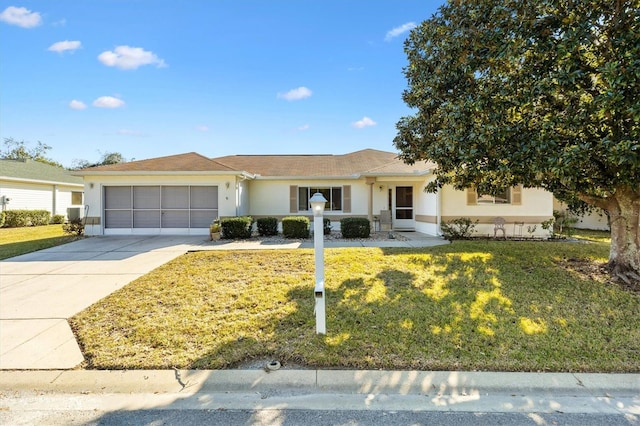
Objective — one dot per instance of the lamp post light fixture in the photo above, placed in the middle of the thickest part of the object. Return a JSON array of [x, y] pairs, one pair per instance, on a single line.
[[317, 202]]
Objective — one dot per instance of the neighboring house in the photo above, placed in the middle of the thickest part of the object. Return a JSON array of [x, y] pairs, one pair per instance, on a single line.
[[32, 185], [183, 194]]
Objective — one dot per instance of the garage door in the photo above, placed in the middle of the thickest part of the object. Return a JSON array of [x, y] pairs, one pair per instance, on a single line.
[[159, 209]]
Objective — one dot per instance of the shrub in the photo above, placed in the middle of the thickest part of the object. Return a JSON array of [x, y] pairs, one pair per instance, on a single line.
[[236, 227], [57, 219], [355, 227], [295, 227], [74, 227], [458, 229], [3, 216], [18, 218], [326, 225], [267, 226]]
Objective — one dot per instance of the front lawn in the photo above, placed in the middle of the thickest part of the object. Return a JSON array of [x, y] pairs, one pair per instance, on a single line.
[[471, 305], [17, 241]]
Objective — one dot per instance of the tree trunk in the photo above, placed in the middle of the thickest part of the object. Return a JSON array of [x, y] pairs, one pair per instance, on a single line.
[[624, 214]]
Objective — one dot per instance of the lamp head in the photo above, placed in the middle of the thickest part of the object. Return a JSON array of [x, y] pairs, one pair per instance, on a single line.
[[317, 202]]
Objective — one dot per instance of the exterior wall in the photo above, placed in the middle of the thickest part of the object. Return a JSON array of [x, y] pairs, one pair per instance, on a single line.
[[56, 198], [271, 198], [536, 207], [94, 185], [596, 220]]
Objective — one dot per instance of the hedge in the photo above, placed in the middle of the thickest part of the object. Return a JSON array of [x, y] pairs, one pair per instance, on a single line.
[[20, 218], [232, 228], [355, 227], [295, 227], [267, 226]]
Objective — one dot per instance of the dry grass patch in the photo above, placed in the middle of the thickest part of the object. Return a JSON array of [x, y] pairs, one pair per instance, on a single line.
[[471, 305]]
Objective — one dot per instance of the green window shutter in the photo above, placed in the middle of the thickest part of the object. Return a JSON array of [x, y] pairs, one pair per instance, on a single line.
[[293, 199], [472, 196], [516, 195], [346, 199]]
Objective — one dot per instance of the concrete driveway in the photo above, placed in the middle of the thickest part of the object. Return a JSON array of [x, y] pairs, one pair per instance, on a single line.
[[39, 291]]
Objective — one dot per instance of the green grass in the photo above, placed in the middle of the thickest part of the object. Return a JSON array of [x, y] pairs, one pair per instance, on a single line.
[[471, 305], [17, 241]]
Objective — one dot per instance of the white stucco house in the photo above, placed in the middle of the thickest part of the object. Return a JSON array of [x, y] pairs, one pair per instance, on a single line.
[[32, 185], [183, 194]]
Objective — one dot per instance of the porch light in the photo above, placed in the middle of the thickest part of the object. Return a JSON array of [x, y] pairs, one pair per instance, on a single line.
[[317, 202]]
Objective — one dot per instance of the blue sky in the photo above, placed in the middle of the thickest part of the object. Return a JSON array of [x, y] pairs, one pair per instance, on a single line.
[[149, 78]]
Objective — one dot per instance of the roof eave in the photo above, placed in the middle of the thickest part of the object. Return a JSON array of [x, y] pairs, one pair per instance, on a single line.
[[40, 181], [164, 173]]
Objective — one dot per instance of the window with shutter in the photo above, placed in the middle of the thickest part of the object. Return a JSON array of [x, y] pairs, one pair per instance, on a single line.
[[346, 199]]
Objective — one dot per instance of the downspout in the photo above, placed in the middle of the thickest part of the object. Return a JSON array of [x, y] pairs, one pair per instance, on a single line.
[[54, 200]]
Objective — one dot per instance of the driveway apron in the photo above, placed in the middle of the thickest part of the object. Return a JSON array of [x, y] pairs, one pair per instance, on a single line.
[[40, 290]]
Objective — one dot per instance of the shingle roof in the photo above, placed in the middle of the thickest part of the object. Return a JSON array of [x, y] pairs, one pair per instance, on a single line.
[[364, 162], [189, 162], [36, 171]]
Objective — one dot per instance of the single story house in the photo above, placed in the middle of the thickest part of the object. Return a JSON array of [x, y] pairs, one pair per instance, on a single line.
[[32, 185], [183, 194]]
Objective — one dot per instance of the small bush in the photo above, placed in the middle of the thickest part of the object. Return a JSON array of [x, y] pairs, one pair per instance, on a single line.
[[458, 229], [267, 226], [326, 225], [233, 228], [19, 218], [57, 219], [295, 227], [355, 227], [3, 216], [74, 227]]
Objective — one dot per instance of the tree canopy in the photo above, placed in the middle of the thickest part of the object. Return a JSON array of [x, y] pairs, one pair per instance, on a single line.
[[19, 150], [544, 94]]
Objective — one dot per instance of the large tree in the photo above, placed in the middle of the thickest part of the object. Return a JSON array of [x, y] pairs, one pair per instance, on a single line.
[[541, 93]]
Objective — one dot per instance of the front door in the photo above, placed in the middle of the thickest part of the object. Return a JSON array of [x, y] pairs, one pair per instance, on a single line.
[[403, 216]]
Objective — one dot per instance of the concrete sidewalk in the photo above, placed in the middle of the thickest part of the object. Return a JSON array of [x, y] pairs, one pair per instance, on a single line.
[[39, 291], [40, 394]]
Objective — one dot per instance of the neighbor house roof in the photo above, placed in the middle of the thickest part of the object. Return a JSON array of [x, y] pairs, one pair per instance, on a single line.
[[367, 162], [35, 171]]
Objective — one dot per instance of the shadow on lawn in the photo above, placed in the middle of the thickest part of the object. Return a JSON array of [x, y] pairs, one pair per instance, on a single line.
[[443, 311]]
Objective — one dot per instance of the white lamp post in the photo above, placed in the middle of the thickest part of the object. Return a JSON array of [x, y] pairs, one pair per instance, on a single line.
[[317, 205]]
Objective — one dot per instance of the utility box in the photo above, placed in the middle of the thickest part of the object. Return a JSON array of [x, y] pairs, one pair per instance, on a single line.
[[74, 213]]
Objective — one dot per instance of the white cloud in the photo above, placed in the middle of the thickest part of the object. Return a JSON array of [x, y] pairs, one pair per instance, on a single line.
[[78, 105], [399, 30], [203, 128], [108, 102], [295, 94], [61, 23], [62, 46], [21, 17], [303, 128], [130, 58], [365, 122]]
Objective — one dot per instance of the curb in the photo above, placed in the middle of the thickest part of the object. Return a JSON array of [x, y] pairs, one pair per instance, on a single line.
[[321, 381]]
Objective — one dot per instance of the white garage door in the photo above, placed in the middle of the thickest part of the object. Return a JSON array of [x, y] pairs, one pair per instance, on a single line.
[[159, 209]]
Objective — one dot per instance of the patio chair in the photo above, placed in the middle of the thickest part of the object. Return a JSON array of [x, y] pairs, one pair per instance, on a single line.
[[498, 225]]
